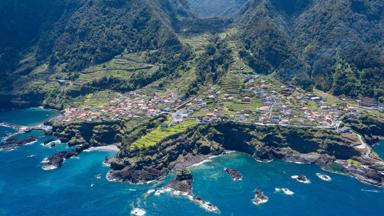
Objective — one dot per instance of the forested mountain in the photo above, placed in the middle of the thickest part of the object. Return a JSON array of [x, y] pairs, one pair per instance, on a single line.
[[81, 32], [70, 35], [216, 8], [336, 46]]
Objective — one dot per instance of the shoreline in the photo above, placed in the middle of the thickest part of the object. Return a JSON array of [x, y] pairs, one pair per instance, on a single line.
[[201, 161], [108, 148]]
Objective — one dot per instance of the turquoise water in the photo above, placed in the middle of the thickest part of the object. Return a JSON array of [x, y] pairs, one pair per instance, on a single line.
[[5, 131], [75, 189], [27, 117], [379, 149]]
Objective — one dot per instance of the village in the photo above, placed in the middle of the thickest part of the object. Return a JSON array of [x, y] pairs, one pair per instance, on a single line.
[[132, 105], [241, 97]]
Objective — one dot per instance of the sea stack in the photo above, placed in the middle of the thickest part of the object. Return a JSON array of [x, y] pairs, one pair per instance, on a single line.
[[182, 182], [235, 174]]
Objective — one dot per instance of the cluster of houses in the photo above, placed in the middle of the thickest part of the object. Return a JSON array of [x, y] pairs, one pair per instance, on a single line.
[[279, 104], [283, 105], [371, 103], [133, 105]]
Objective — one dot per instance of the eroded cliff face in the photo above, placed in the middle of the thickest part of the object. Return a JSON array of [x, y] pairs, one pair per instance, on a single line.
[[89, 133], [325, 148], [329, 149], [148, 164], [106, 132], [372, 129]]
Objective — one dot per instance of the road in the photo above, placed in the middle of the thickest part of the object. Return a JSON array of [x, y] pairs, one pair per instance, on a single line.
[[363, 145]]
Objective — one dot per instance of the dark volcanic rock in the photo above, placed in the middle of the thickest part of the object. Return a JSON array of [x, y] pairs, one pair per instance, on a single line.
[[88, 133], [49, 141], [322, 147], [134, 175], [235, 174], [56, 160], [371, 128], [21, 141], [13, 142], [182, 182]]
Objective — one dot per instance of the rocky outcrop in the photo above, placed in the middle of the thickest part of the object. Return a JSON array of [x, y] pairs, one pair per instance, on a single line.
[[84, 135], [56, 160], [371, 128], [101, 133], [177, 151], [182, 182], [13, 142], [322, 147], [80, 136], [235, 174], [181, 185], [88, 133]]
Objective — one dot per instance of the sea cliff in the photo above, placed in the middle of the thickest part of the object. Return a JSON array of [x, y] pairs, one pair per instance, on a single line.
[[329, 149]]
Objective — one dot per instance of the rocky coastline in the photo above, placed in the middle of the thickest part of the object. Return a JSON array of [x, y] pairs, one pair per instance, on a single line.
[[80, 136], [12, 143], [372, 129], [181, 185], [329, 149], [56, 160]]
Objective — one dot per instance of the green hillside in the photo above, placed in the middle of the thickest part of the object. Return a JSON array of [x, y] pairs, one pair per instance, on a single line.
[[299, 40]]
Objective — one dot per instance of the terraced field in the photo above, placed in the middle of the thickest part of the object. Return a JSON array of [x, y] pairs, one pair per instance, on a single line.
[[231, 84], [123, 67], [161, 132], [237, 105]]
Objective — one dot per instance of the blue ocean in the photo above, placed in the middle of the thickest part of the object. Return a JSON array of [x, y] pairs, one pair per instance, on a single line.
[[80, 187]]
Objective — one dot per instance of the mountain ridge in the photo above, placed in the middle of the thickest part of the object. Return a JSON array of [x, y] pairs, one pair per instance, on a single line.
[[334, 47], [312, 35]]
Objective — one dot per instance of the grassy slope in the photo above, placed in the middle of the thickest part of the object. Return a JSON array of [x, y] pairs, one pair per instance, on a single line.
[[159, 133]]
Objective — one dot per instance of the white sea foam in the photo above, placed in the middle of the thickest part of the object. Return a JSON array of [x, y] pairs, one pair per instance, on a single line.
[[324, 177], [50, 144], [288, 192], [277, 190], [264, 161], [48, 167], [202, 203], [30, 143], [201, 163], [138, 212], [258, 201], [150, 191], [45, 160], [296, 177]]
